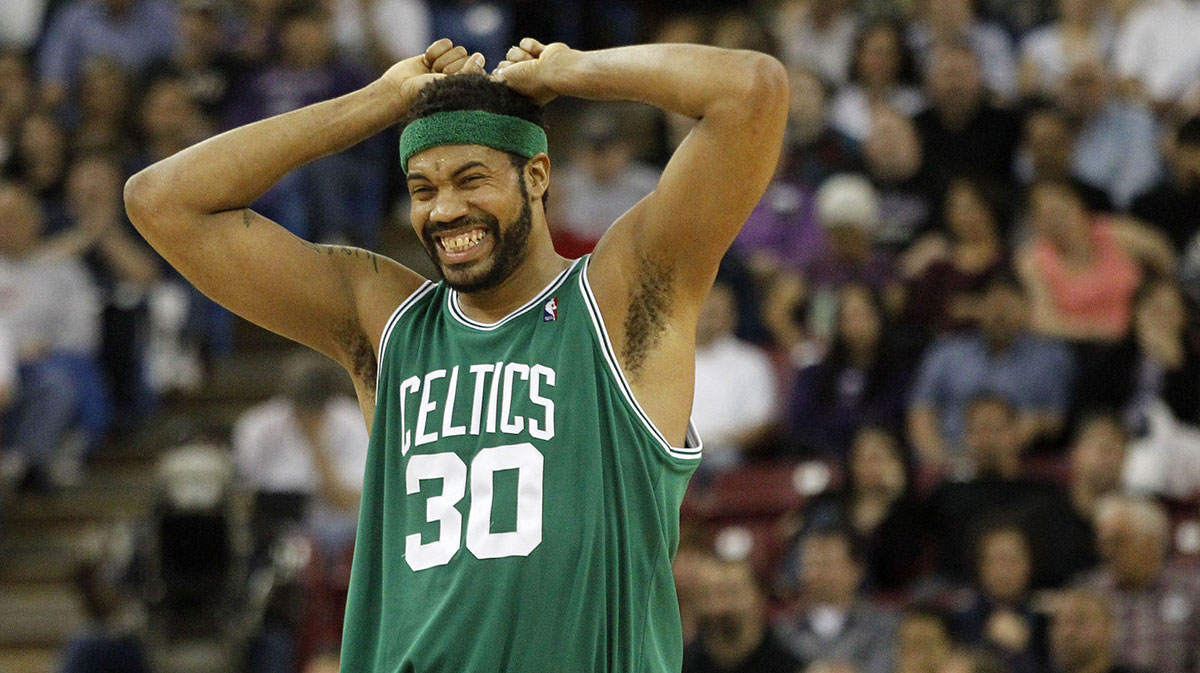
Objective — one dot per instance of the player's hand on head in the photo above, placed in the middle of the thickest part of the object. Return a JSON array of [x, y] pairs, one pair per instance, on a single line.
[[442, 58], [454, 61], [530, 66]]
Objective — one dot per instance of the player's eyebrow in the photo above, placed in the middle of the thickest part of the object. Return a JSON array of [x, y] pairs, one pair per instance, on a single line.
[[415, 175], [466, 167]]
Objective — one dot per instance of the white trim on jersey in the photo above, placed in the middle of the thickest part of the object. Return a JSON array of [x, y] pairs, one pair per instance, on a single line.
[[693, 445], [388, 327], [457, 312]]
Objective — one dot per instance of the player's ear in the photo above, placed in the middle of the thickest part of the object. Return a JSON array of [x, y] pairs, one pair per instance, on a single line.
[[537, 175]]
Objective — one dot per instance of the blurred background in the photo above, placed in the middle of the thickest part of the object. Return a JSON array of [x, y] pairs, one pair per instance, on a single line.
[[948, 379]]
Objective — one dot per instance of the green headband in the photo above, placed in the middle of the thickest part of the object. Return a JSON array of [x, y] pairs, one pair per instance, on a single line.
[[471, 127]]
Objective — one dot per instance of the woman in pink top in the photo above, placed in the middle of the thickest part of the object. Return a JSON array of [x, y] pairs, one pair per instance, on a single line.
[[1081, 271]]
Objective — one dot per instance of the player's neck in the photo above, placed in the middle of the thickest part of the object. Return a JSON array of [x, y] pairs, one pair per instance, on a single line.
[[541, 266]]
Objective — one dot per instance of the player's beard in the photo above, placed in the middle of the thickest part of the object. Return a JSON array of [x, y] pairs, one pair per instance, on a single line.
[[508, 249]]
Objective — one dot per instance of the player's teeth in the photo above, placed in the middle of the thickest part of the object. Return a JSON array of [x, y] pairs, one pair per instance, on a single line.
[[462, 241]]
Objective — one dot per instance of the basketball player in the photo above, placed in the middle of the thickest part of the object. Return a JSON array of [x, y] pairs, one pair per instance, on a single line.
[[529, 414]]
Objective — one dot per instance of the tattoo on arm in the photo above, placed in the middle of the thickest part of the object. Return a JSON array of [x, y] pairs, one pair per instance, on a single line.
[[344, 251], [649, 308], [247, 217]]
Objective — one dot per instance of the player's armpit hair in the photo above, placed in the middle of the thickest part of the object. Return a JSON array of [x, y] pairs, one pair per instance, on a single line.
[[350, 338], [649, 308]]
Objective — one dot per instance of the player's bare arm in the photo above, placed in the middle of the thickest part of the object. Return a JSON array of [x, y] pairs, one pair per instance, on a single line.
[[653, 268], [193, 208]]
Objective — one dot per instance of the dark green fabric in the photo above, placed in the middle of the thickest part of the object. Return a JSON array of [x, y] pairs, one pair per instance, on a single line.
[[472, 127]]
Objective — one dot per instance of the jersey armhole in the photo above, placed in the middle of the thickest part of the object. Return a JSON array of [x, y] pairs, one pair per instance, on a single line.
[[692, 446], [390, 326]]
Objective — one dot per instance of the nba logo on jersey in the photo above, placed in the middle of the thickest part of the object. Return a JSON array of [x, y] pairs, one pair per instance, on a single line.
[[550, 310]]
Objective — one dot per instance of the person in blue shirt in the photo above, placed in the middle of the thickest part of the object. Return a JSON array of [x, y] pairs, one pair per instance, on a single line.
[[1000, 358]]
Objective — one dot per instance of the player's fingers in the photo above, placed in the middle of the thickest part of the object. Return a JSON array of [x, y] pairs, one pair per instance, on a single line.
[[455, 54], [436, 49], [532, 46], [501, 66], [473, 63], [517, 54]]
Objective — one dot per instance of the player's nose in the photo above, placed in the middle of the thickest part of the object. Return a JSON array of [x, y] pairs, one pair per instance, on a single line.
[[448, 206]]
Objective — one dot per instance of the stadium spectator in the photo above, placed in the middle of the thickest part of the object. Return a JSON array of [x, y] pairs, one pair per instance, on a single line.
[[40, 163], [833, 622], [947, 278], [948, 21], [134, 33], [601, 182], [893, 159], [1047, 151], [878, 505], [1116, 141], [814, 150], [956, 509], [1171, 206], [999, 615], [1097, 454], [311, 441], [1157, 363], [735, 389], [882, 72], [1096, 457], [123, 268], [339, 197], [1156, 604], [1081, 272], [16, 98], [105, 103], [1083, 31], [734, 634], [923, 643], [211, 71], [1082, 634], [1000, 357], [848, 210], [782, 232], [961, 132], [1157, 56], [112, 639], [817, 34], [168, 119], [860, 381], [49, 307]]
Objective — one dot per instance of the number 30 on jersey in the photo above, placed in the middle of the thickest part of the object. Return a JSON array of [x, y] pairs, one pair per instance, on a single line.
[[440, 509]]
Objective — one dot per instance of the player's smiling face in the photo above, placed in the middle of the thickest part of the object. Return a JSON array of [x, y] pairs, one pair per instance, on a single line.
[[471, 209]]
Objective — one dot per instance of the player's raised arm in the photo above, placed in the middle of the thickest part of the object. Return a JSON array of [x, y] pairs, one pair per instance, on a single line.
[[193, 208], [718, 173]]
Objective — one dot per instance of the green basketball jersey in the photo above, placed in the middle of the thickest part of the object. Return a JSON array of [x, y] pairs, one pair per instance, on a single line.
[[520, 512]]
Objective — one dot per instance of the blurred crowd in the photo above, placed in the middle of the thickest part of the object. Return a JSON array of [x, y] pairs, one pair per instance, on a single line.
[[948, 378]]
